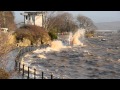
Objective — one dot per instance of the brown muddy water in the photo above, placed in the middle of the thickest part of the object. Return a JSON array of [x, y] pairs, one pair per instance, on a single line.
[[98, 59]]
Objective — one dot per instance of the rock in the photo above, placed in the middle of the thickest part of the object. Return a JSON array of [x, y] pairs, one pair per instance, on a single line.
[[117, 48], [103, 39], [118, 60], [87, 52]]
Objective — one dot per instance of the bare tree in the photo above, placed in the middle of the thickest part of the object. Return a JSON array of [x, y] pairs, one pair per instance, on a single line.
[[7, 20], [48, 15], [62, 21], [86, 23]]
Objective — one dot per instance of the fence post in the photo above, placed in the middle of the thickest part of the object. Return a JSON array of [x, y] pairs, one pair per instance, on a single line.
[[23, 70], [23, 50], [15, 65], [51, 75], [34, 73], [19, 66], [42, 75], [28, 73], [27, 49], [20, 52], [30, 48]]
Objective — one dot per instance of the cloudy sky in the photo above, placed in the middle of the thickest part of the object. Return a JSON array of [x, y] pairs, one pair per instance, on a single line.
[[96, 16]]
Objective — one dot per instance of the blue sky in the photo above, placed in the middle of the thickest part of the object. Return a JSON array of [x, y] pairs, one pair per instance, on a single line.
[[96, 16]]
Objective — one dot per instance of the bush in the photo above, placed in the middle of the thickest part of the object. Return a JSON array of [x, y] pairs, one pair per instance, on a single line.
[[4, 74], [5, 43], [9, 20], [33, 33], [90, 34], [52, 35]]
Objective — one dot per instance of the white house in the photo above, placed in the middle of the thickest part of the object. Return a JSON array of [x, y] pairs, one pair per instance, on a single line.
[[34, 18]]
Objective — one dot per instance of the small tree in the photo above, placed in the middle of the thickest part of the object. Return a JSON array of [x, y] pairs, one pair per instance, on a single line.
[[7, 20], [87, 24], [62, 22]]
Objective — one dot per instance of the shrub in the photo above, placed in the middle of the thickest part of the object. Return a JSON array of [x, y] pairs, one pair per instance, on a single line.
[[5, 43], [4, 74], [52, 35], [90, 34], [33, 33], [9, 20]]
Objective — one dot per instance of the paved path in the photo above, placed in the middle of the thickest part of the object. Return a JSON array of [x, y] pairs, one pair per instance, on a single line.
[[11, 64], [11, 60]]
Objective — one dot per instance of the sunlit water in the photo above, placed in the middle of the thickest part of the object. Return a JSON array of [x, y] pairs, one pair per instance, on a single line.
[[92, 59]]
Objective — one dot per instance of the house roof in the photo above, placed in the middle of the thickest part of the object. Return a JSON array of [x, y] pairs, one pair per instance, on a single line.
[[32, 13]]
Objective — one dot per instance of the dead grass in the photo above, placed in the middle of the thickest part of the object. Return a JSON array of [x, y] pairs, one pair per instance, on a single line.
[[4, 74], [5, 47]]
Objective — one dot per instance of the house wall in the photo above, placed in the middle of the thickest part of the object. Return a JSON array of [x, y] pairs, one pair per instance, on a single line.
[[29, 20], [38, 20]]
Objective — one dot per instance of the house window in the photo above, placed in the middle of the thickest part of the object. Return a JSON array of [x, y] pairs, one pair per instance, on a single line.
[[26, 17], [29, 18], [33, 17]]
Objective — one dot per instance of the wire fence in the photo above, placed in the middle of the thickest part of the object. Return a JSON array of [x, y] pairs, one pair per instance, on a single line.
[[28, 72]]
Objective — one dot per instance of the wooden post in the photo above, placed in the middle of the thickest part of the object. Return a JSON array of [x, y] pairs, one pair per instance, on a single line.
[[34, 73], [19, 66], [51, 75], [23, 50], [15, 65], [28, 72], [20, 52], [42, 75], [28, 49], [23, 70]]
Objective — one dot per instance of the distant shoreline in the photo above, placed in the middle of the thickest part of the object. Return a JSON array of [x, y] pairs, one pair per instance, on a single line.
[[106, 30]]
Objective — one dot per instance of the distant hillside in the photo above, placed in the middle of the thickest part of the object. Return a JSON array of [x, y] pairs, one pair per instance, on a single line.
[[108, 25]]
